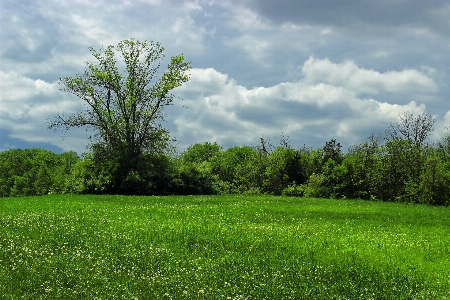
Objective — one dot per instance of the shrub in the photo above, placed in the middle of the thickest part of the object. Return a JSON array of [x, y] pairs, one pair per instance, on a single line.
[[294, 190], [317, 187]]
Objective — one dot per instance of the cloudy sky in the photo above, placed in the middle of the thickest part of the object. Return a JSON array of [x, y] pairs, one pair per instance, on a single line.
[[309, 70]]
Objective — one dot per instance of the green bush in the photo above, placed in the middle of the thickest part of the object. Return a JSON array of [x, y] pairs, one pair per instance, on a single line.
[[283, 168], [317, 187], [34, 171], [236, 170], [294, 190], [193, 182]]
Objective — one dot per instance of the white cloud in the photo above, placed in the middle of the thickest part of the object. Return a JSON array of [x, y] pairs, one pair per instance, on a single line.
[[442, 127], [219, 110], [246, 20], [26, 104], [188, 35], [447, 119], [192, 6], [222, 111], [248, 83], [350, 76], [255, 47]]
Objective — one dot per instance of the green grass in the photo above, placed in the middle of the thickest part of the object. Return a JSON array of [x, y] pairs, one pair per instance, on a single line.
[[221, 247]]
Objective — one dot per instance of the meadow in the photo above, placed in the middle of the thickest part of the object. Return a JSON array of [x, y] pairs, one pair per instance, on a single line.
[[221, 247]]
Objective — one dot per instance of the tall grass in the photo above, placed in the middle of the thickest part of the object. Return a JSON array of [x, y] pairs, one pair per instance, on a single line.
[[221, 247]]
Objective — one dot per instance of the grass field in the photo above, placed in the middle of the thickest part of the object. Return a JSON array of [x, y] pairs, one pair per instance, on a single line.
[[221, 247]]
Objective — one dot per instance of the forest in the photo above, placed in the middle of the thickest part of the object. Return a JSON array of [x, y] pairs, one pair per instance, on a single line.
[[401, 166]]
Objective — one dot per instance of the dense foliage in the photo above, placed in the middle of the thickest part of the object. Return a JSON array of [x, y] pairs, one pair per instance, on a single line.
[[37, 172], [398, 168]]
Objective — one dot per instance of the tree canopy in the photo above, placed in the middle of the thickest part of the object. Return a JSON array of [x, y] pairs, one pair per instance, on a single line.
[[124, 102]]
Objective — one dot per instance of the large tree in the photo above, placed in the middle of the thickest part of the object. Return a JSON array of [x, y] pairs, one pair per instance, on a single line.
[[124, 102]]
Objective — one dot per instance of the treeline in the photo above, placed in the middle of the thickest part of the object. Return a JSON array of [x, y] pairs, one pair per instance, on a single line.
[[129, 150], [36, 172], [397, 167]]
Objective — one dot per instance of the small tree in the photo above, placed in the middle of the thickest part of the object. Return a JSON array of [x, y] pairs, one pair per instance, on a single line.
[[332, 150], [199, 153], [283, 168], [413, 127], [236, 170], [407, 152], [124, 106], [363, 163]]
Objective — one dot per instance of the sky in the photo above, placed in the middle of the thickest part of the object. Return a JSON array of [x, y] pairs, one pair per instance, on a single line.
[[310, 71]]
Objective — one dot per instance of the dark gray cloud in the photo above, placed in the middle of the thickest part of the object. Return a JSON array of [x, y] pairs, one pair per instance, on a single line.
[[356, 15]]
